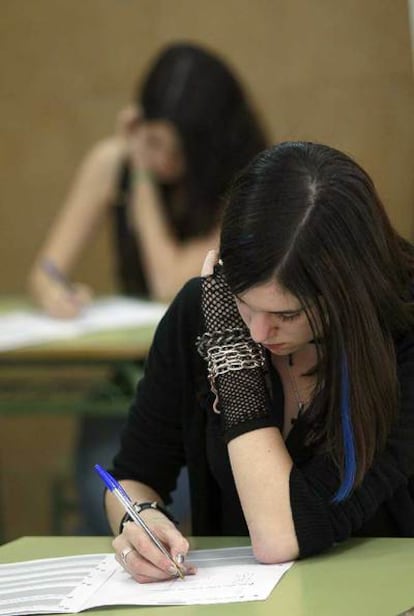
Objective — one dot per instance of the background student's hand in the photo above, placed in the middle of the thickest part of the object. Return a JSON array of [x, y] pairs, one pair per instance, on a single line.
[[60, 302], [132, 134], [140, 151], [127, 121], [142, 559], [131, 129]]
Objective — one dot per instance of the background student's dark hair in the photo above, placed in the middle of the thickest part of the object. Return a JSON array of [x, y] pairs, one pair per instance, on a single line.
[[199, 95], [310, 216]]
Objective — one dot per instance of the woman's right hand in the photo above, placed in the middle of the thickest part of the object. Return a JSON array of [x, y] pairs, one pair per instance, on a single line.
[[142, 559]]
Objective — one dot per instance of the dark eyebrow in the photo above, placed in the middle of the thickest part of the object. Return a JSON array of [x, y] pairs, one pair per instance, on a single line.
[[280, 312]]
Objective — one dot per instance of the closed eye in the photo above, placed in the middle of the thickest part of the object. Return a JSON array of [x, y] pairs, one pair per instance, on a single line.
[[283, 316], [289, 317]]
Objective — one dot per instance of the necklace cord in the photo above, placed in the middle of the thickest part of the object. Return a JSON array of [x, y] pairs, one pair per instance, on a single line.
[[300, 403]]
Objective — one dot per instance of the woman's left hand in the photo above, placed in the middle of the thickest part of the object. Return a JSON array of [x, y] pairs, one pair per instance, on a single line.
[[210, 261], [127, 121]]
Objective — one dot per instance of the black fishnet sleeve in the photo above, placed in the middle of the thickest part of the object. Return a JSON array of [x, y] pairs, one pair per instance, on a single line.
[[243, 398]]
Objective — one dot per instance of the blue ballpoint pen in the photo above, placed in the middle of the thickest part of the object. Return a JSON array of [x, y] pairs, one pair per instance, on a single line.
[[118, 491]]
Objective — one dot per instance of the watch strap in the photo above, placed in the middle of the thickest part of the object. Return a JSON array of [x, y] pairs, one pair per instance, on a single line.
[[140, 507]]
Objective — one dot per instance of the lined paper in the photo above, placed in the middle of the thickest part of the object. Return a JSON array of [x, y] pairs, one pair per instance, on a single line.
[[76, 583]]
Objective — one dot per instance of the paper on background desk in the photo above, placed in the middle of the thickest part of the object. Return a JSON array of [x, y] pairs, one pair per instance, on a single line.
[[23, 328], [76, 583]]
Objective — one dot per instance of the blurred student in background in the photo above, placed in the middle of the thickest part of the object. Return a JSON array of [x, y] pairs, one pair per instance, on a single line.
[[160, 177]]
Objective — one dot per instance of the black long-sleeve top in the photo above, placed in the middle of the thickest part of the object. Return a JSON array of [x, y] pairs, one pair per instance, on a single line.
[[171, 423]]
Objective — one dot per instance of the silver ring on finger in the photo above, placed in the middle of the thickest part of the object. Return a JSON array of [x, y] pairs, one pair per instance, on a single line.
[[124, 554]]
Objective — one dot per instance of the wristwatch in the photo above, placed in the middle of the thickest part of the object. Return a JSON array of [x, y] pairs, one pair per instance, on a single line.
[[140, 507]]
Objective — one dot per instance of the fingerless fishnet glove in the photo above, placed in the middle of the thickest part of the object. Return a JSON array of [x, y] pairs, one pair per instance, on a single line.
[[236, 364]]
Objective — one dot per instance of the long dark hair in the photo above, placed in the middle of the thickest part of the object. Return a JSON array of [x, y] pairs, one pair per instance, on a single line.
[[194, 90], [309, 216]]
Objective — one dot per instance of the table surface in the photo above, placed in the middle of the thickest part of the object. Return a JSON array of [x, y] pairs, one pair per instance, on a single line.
[[64, 378], [58, 377], [363, 577], [126, 344]]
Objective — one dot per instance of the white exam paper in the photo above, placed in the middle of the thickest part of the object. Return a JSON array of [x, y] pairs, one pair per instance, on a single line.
[[224, 575], [28, 327]]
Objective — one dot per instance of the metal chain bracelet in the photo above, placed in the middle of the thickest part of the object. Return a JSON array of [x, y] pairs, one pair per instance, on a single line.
[[226, 351], [239, 356], [221, 336]]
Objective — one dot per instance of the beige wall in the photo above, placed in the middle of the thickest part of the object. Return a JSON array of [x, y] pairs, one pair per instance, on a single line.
[[337, 71]]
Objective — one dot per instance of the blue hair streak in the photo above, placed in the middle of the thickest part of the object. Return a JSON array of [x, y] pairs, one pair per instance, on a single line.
[[348, 438]]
